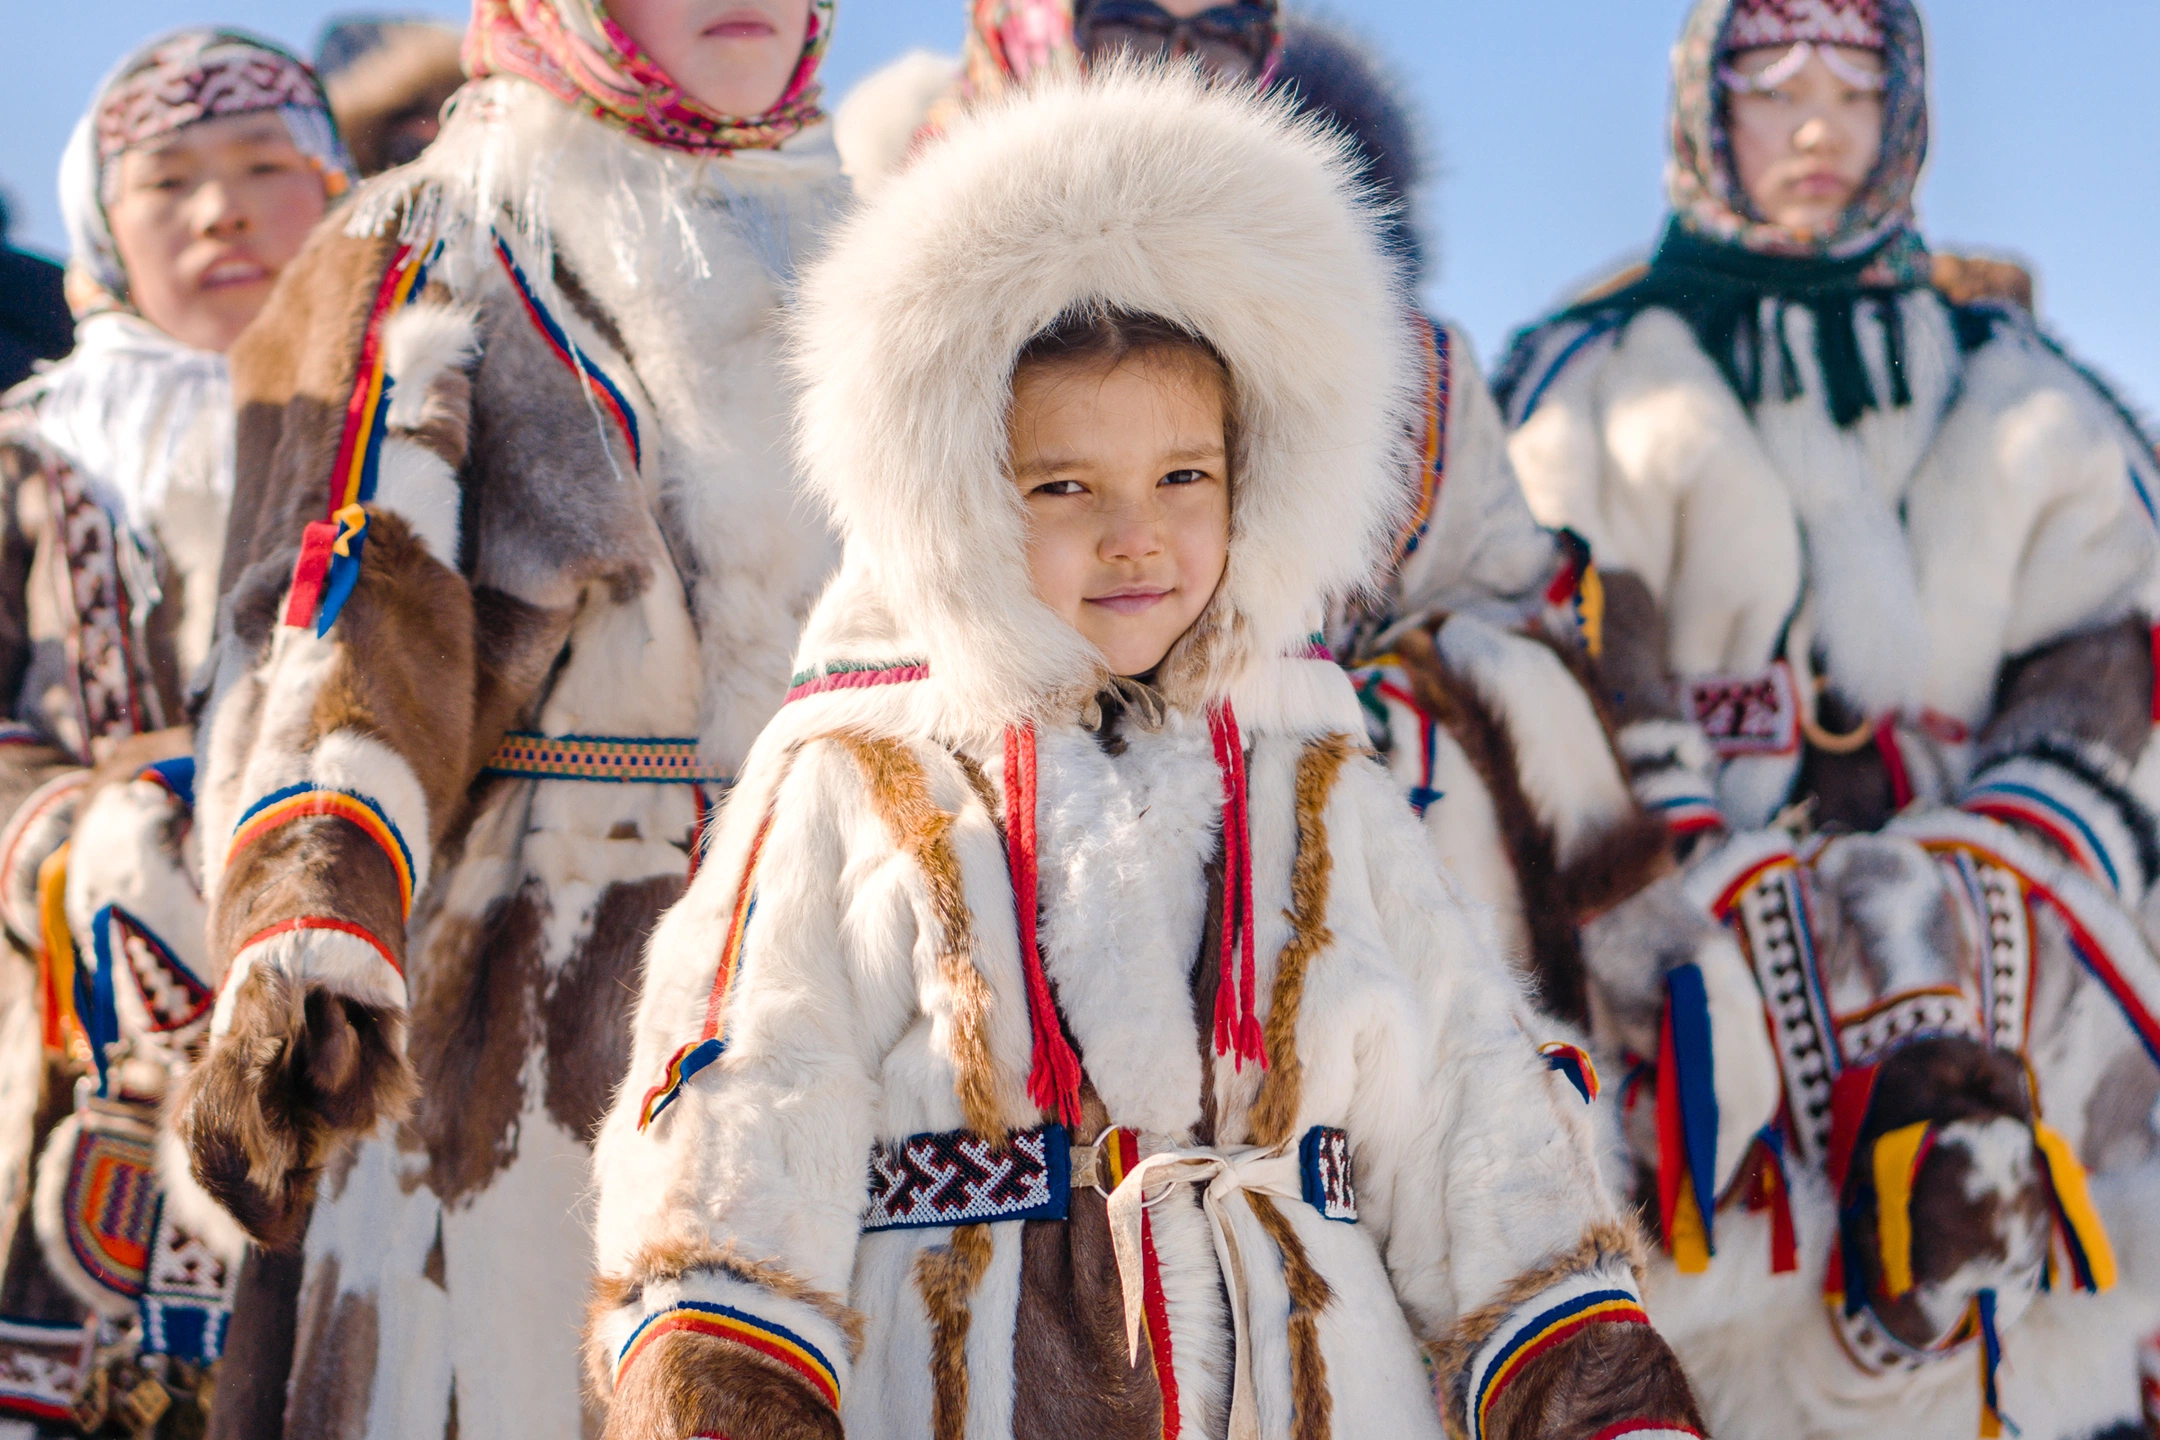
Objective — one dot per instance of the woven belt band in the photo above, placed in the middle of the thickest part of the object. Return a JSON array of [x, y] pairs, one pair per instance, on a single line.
[[955, 1177], [601, 757]]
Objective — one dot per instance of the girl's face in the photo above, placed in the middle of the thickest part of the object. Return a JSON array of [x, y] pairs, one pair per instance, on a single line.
[[1125, 472], [734, 57], [1803, 147], [206, 217]]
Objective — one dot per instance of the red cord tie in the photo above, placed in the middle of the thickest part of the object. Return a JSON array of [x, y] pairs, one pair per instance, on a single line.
[[1054, 1072], [1237, 1025]]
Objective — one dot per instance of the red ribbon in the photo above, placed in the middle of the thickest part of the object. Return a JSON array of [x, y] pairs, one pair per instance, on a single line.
[[1054, 1072], [1237, 1023]]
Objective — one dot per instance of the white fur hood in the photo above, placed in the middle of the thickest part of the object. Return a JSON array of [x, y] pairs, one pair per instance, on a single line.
[[1144, 190]]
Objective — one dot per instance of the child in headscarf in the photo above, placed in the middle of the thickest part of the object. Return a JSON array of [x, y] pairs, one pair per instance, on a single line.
[[188, 186], [1067, 1032], [1870, 549], [513, 582]]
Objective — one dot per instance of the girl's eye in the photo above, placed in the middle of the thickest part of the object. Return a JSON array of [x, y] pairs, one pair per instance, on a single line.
[[1184, 477], [1059, 487]]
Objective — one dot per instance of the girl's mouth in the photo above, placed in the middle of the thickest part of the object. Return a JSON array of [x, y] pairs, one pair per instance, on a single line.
[[1129, 601], [226, 274], [740, 25]]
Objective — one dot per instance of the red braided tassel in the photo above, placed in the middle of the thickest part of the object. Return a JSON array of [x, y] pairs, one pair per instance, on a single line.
[[1237, 1025], [1054, 1073]]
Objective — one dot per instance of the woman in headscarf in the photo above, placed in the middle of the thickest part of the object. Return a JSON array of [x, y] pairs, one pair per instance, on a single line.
[[1872, 549], [188, 186], [515, 577]]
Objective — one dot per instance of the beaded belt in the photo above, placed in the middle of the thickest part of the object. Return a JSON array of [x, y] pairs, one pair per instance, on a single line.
[[601, 757], [956, 1177]]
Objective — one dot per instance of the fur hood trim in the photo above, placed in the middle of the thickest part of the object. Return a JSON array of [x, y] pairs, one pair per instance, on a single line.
[[1148, 190]]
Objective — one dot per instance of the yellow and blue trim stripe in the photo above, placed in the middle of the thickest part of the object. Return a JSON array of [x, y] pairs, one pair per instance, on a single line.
[[725, 1322], [302, 801]]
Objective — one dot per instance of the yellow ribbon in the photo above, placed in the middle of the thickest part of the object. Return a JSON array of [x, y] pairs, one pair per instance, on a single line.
[[2075, 1198], [1590, 610], [1897, 1156], [57, 962], [352, 519], [1690, 1245]]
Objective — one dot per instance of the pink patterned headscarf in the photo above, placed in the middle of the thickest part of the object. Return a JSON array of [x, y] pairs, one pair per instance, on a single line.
[[1759, 23], [573, 50]]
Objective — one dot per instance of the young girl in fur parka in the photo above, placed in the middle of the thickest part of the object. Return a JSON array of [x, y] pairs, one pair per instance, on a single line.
[[1871, 550], [513, 579], [192, 180], [1067, 1032]]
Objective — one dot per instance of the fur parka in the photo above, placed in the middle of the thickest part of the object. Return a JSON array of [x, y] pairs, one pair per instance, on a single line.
[[840, 1008], [584, 562]]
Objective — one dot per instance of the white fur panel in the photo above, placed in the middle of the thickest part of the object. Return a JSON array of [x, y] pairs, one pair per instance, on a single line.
[[1120, 190], [877, 124], [1566, 765], [334, 959], [419, 343], [413, 482], [276, 753], [349, 760]]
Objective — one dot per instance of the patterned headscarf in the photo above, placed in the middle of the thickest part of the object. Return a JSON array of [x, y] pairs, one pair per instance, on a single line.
[[1700, 181], [1010, 41], [573, 50], [168, 84]]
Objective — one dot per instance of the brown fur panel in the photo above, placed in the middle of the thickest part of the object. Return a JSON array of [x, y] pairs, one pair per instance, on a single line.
[[405, 676], [945, 1278], [445, 428], [253, 1375], [685, 1384], [475, 995], [292, 375], [1557, 973], [317, 865], [300, 1070], [1973, 279], [1275, 1109], [339, 1335], [515, 645], [901, 792], [1312, 1401], [1631, 682], [2095, 687], [587, 1011], [1072, 1373], [1601, 1245], [1599, 1376]]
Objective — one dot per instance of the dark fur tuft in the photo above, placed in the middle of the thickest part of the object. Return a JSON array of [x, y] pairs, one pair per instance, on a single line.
[[1341, 79]]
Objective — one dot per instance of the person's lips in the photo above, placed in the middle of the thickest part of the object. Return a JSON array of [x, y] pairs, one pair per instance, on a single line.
[[1821, 184], [1130, 600], [236, 270], [740, 25]]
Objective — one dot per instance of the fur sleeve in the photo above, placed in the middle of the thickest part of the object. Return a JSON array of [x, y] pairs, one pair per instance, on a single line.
[[737, 1177], [1477, 1163]]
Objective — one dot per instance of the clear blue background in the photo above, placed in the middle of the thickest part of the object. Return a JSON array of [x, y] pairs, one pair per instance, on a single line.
[[1546, 119]]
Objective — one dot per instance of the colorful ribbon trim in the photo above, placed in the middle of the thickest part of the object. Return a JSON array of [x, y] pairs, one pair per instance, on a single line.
[[1054, 1070], [1992, 1420], [57, 985], [711, 1044], [854, 675], [304, 800], [1439, 382], [1687, 1122], [176, 777], [623, 759], [725, 1322], [1772, 1191], [330, 549], [1422, 794], [2026, 804], [1574, 1063], [604, 392], [1543, 1333]]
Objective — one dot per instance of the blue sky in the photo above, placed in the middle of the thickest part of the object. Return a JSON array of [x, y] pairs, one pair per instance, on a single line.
[[1546, 119]]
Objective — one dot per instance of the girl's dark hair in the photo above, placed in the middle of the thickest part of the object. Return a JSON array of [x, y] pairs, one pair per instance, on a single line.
[[1104, 335]]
